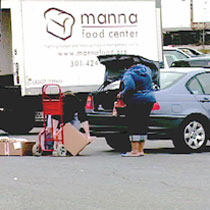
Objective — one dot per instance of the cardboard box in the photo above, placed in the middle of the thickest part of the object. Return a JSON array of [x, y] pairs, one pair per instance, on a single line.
[[18, 147], [74, 140], [3, 150], [21, 148], [4, 146]]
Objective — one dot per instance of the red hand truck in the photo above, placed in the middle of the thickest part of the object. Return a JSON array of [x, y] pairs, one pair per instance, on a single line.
[[51, 105]]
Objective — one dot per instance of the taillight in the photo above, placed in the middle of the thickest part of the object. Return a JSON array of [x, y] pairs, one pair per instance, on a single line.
[[156, 106], [89, 103]]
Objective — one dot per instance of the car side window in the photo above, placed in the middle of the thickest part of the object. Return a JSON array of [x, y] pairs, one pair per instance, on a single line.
[[204, 81], [189, 52], [194, 87], [173, 55], [180, 64]]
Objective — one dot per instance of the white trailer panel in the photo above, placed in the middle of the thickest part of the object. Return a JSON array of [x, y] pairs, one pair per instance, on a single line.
[[201, 11], [176, 14], [58, 41]]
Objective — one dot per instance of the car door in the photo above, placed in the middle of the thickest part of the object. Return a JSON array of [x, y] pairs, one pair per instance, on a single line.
[[199, 86]]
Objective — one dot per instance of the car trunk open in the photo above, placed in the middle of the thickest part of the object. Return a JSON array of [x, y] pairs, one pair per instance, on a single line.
[[115, 66]]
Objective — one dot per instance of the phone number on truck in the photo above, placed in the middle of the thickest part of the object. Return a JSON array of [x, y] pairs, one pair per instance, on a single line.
[[79, 63]]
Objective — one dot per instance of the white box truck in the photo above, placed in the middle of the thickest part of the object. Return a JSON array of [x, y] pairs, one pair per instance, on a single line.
[[57, 42]]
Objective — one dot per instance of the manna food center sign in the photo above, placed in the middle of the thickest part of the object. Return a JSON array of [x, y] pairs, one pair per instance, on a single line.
[[64, 38]]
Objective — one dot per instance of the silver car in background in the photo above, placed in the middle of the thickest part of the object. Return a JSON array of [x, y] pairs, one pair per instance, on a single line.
[[172, 54], [182, 112]]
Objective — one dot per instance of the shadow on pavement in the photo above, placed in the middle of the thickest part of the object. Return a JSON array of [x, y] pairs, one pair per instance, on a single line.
[[165, 151], [161, 150]]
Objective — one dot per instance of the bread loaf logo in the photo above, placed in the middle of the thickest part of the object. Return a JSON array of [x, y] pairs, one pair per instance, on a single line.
[[59, 23]]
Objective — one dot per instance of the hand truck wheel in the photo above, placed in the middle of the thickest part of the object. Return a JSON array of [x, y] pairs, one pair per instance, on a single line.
[[36, 150], [61, 150]]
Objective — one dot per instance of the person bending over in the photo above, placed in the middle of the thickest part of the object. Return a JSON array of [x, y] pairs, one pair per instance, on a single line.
[[73, 112]]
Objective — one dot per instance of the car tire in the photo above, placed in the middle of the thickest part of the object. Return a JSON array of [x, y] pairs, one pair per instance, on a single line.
[[191, 136], [119, 142]]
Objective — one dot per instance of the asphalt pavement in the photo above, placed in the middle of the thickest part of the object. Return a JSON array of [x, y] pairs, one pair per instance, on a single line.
[[100, 179]]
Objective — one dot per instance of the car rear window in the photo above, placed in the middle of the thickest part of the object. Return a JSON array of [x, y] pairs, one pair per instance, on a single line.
[[169, 78]]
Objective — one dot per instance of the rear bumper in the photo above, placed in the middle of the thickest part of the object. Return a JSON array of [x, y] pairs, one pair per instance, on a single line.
[[161, 126]]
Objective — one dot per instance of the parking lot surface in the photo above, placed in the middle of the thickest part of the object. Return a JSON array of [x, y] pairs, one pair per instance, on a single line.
[[100, 179]]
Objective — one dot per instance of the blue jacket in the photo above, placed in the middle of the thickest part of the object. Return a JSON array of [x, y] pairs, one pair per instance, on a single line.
[[136, 85]]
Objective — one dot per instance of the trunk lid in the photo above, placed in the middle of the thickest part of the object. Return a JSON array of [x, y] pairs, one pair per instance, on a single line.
[[116, 65]]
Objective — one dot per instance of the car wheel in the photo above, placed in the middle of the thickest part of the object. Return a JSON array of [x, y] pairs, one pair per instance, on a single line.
[[119, 142], [192, 136]]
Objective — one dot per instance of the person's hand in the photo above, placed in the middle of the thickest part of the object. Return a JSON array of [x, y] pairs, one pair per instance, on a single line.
[[87, 135], [90, 139], [119, 95]]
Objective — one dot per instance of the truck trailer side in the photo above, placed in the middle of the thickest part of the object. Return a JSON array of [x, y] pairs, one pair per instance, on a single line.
[[58, 42]]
